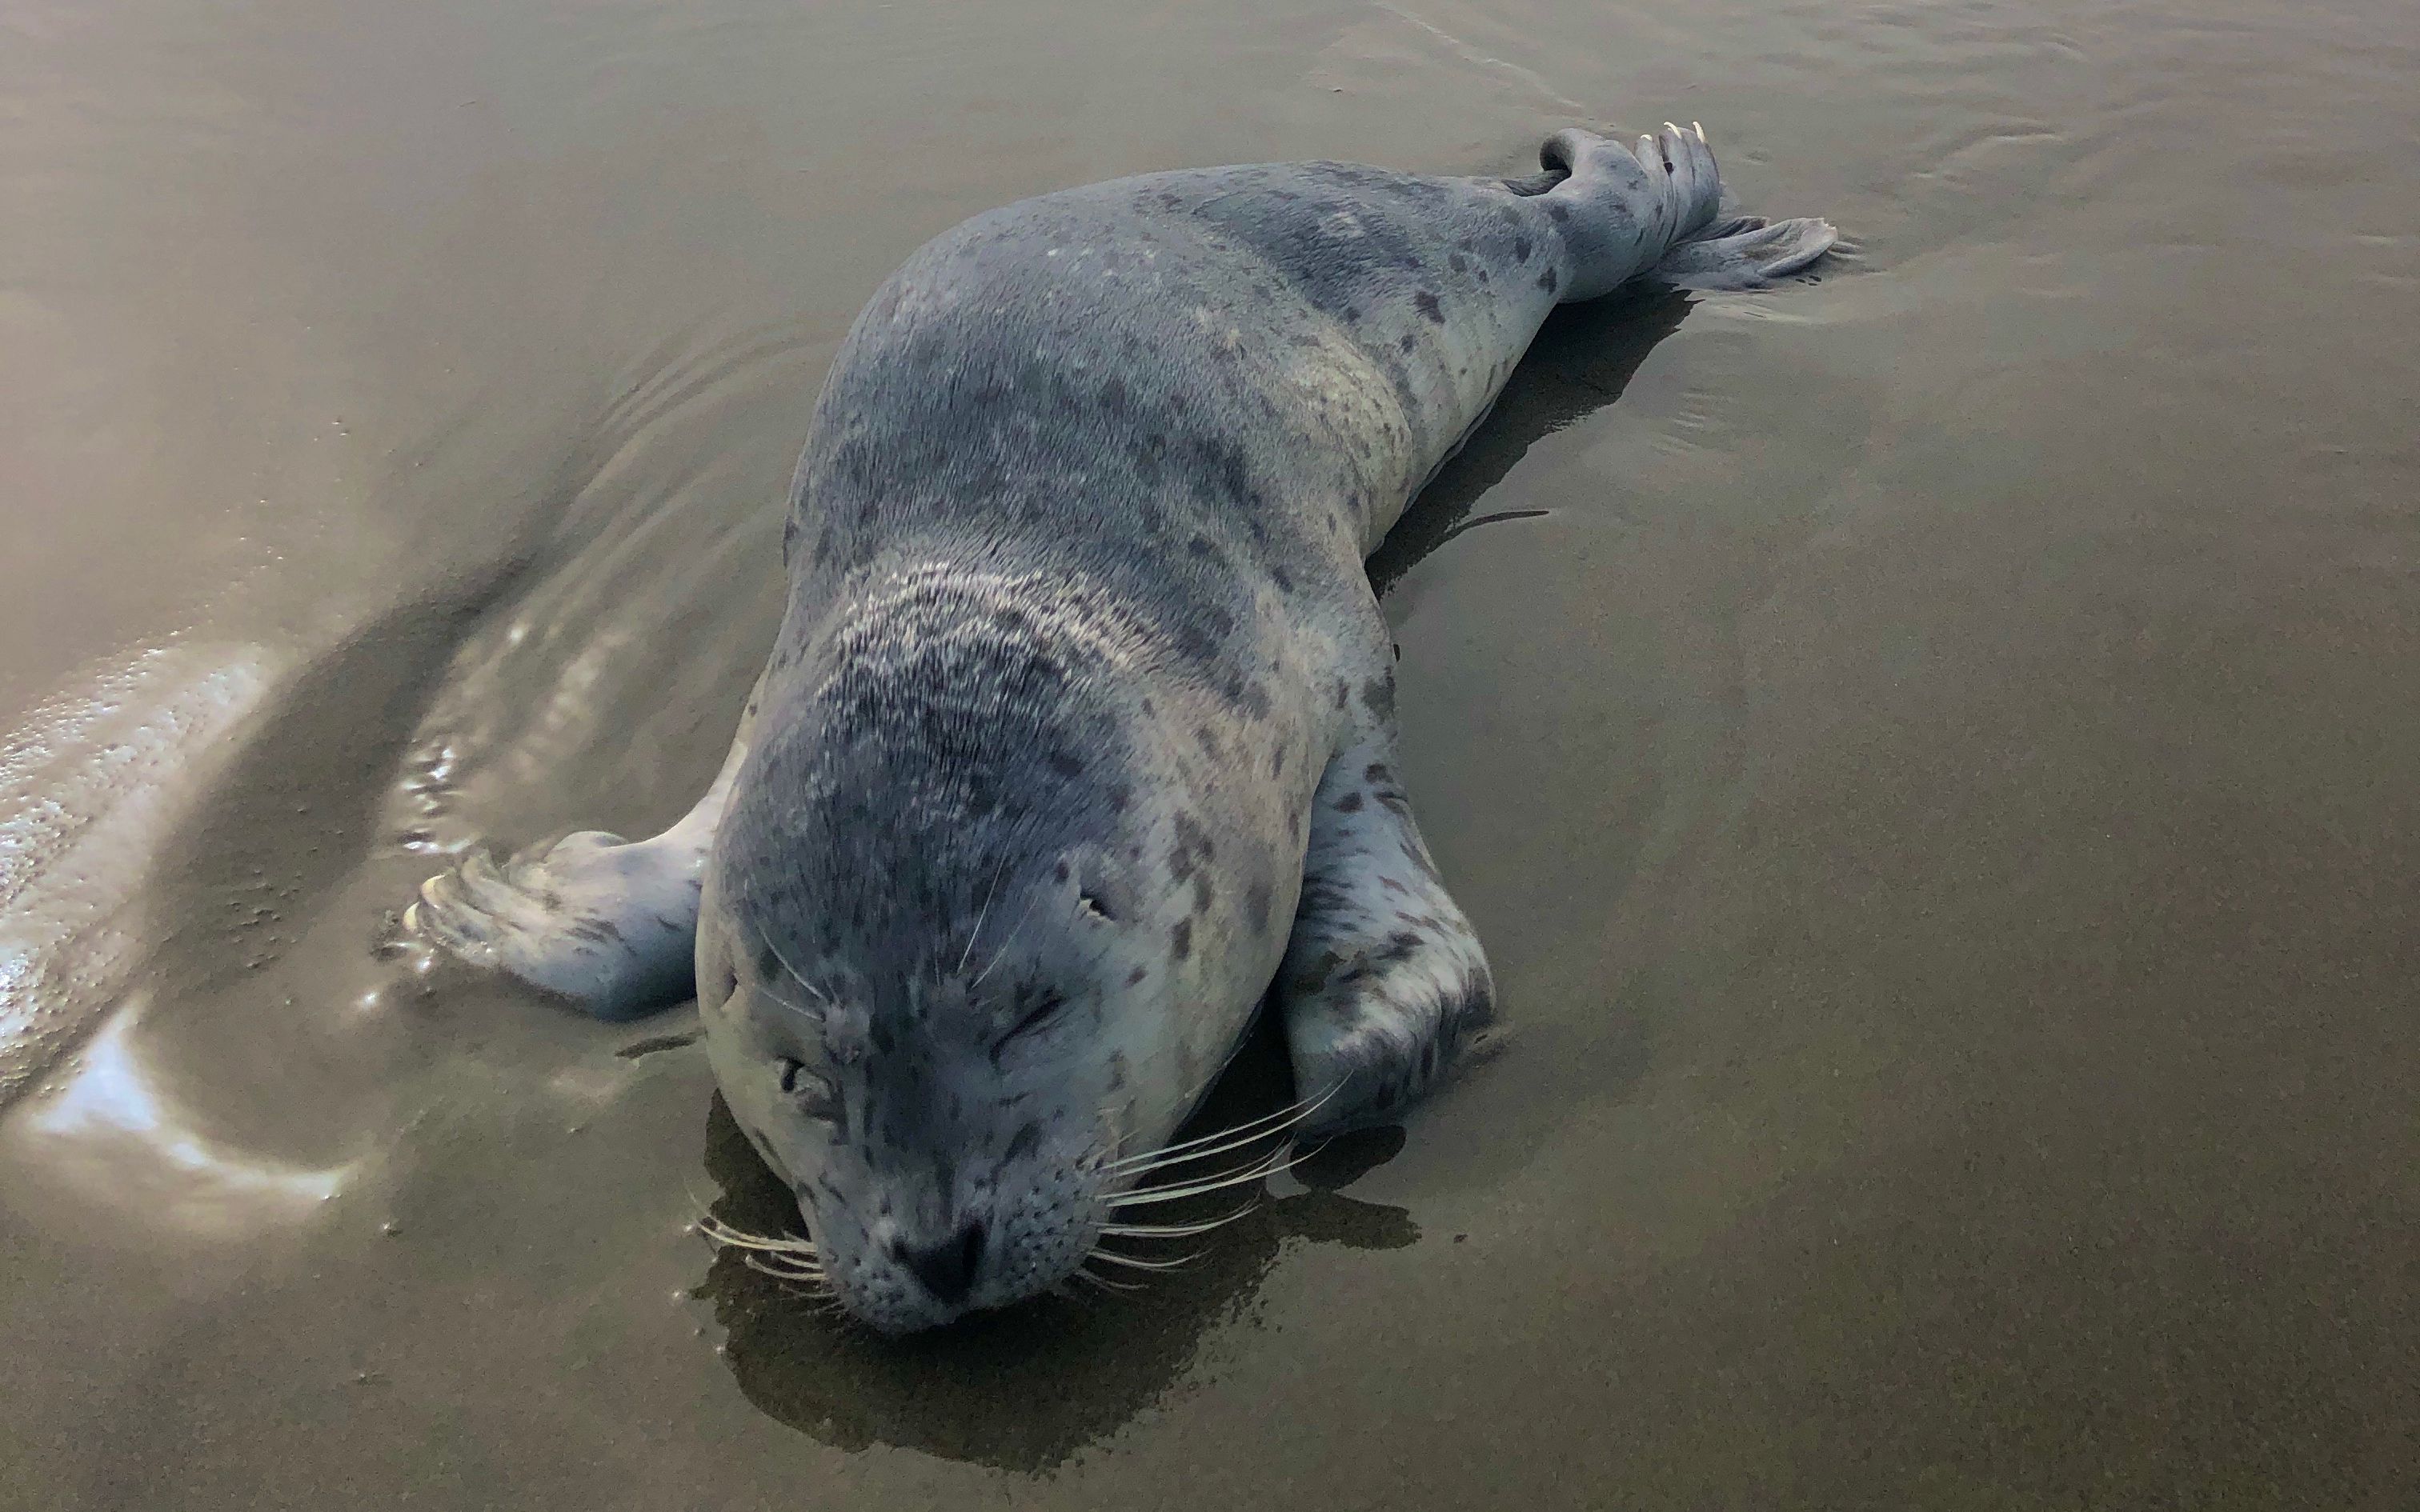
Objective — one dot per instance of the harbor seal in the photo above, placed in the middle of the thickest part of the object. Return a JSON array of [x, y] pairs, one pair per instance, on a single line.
[[1077, 740]]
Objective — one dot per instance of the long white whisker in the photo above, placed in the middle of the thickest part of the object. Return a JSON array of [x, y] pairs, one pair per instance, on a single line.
[[981, 914], [1266, 1126], [1260, 1170], [795, 973], [1175, 1230], [763, 1265], [1111, 1155], [1136, 1263], [1103, 1282], [1189, 1147], [723, 1235], [1005, 946]]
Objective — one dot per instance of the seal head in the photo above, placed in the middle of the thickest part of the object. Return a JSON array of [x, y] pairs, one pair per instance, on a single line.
[[933, 950]]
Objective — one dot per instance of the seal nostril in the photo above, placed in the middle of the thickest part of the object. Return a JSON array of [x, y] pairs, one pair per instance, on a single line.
[[948, 1269]]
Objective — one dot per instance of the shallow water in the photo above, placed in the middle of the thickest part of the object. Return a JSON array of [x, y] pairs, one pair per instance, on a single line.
[[1931, 750]]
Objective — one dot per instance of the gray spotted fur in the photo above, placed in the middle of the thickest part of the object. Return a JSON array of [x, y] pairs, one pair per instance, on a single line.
[[1079, 731]]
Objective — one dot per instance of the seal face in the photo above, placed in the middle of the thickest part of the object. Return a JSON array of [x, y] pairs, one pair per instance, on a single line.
[[1077, 738]]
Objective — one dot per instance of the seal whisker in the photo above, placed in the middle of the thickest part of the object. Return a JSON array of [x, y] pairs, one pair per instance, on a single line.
[[1103, 1282], [1268, 1126], [796, 975], [722, 1235], [1282, 1160], [781, 1265], [1001, 954], [983, 912], [1176, 1230], [1138, 1263], [797, 1285]]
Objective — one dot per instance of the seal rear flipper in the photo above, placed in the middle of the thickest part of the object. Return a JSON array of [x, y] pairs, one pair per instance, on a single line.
[[1745, 252], [1384, 982]]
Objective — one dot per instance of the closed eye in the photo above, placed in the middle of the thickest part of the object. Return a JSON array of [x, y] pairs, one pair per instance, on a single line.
[[815, 1096], [1042, 1014]]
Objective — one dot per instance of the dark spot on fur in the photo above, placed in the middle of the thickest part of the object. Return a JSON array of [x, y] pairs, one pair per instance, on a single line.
[[1180, 939], [1426, 302], [1549, 281], [1377, 772], [1558, 211], [1521, 249], [1066, 764], [1283, 579], [1191, 850], [1378, 695], [1134, 978], [601, 930], [1350, 803], [1256, 907], [1410, 341], [1026, 1141]]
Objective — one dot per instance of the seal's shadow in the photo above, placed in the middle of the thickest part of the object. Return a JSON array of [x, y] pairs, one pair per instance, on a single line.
[[1583, 357], [1025, 1389]]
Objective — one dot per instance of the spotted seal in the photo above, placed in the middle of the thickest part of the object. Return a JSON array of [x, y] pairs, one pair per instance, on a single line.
[[1077, 740]]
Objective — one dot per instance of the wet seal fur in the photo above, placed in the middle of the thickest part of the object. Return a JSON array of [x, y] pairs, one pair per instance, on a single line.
[[1079, 735]]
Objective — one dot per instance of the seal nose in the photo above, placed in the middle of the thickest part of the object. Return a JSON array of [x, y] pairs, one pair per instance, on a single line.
[[948, 1269]]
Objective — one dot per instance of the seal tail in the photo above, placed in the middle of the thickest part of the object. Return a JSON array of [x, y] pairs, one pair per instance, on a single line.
[[1744, 253]]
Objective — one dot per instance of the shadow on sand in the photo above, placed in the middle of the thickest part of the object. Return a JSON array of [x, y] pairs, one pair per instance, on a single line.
[[1583, 357]]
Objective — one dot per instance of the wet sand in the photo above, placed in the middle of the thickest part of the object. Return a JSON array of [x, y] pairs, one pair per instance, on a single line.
[[1930, 751]]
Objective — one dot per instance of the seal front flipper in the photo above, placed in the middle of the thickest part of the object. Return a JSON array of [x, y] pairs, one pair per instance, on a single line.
[[609, 923], [1384, 981]]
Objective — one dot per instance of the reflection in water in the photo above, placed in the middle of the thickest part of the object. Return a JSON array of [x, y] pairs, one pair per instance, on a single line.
[[90, 786], [1582, 360], [1025, 1388], [111, 1131]]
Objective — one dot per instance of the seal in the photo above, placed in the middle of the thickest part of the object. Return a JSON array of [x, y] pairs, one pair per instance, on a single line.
[[1077, 740]]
